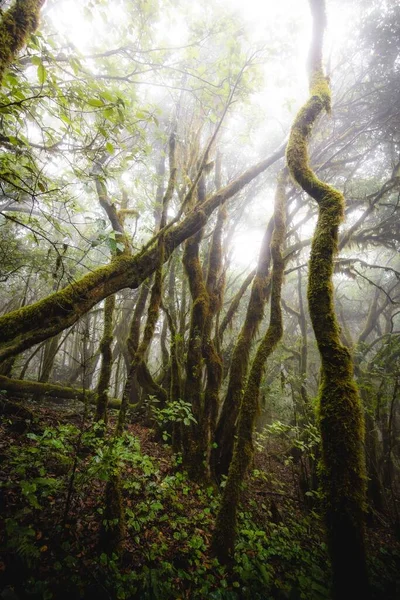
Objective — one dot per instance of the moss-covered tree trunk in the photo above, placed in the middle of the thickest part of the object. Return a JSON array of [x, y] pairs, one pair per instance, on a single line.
[[138, 368], [193, 444], [340, 412], [215, 287], [225, 530], [175, 349], [51, 390], [16, 24], [27, 326], [133, 339], [225, 432], [106, 360]]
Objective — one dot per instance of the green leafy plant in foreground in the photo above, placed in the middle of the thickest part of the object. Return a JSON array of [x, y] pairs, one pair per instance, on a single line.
[[169, 521]]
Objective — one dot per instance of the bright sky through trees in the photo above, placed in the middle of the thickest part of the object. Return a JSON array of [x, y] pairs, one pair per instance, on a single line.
[[280, 30]]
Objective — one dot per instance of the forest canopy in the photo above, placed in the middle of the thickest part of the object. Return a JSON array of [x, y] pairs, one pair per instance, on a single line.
[[199, 292]]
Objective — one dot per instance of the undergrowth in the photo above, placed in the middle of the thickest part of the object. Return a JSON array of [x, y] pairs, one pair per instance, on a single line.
[[52, 494]]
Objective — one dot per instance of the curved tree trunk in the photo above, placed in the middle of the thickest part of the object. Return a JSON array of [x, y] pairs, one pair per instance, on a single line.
[[225, 530], [340, 412]]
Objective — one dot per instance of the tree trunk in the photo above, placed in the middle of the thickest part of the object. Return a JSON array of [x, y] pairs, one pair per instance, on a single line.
[[225, 432], [27, 326], [106, 360], [225, 530], [340, 412]]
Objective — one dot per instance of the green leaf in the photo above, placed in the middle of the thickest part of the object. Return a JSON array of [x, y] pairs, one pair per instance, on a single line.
[[66, 119], [42, 73], [110, 148], [108, 96], [95, 102]]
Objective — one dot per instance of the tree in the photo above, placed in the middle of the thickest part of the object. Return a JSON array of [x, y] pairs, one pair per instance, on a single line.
[[340, 413], [128, 174]]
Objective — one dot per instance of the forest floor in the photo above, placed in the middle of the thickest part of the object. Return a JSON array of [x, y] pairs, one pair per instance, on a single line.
[[53, 471]]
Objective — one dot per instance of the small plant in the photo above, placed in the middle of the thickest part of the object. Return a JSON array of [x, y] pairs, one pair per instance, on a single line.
[[176, 411]]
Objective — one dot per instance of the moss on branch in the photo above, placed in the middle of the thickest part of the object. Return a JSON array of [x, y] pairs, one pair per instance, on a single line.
[[27, 326], [17, 23], [49, 390]]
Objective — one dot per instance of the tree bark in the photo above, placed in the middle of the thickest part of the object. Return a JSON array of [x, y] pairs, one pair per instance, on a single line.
[[225, 529], [340, 412], [106, 360], [225, 432]]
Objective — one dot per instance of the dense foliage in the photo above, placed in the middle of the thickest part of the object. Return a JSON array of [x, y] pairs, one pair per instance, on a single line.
[[191, 408]]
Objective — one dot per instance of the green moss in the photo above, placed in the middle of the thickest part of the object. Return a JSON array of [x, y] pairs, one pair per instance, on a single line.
[[17, 23], [22, 328], [340, 411], [194, 439], [50, 390], [19, 386], [215, 285]]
